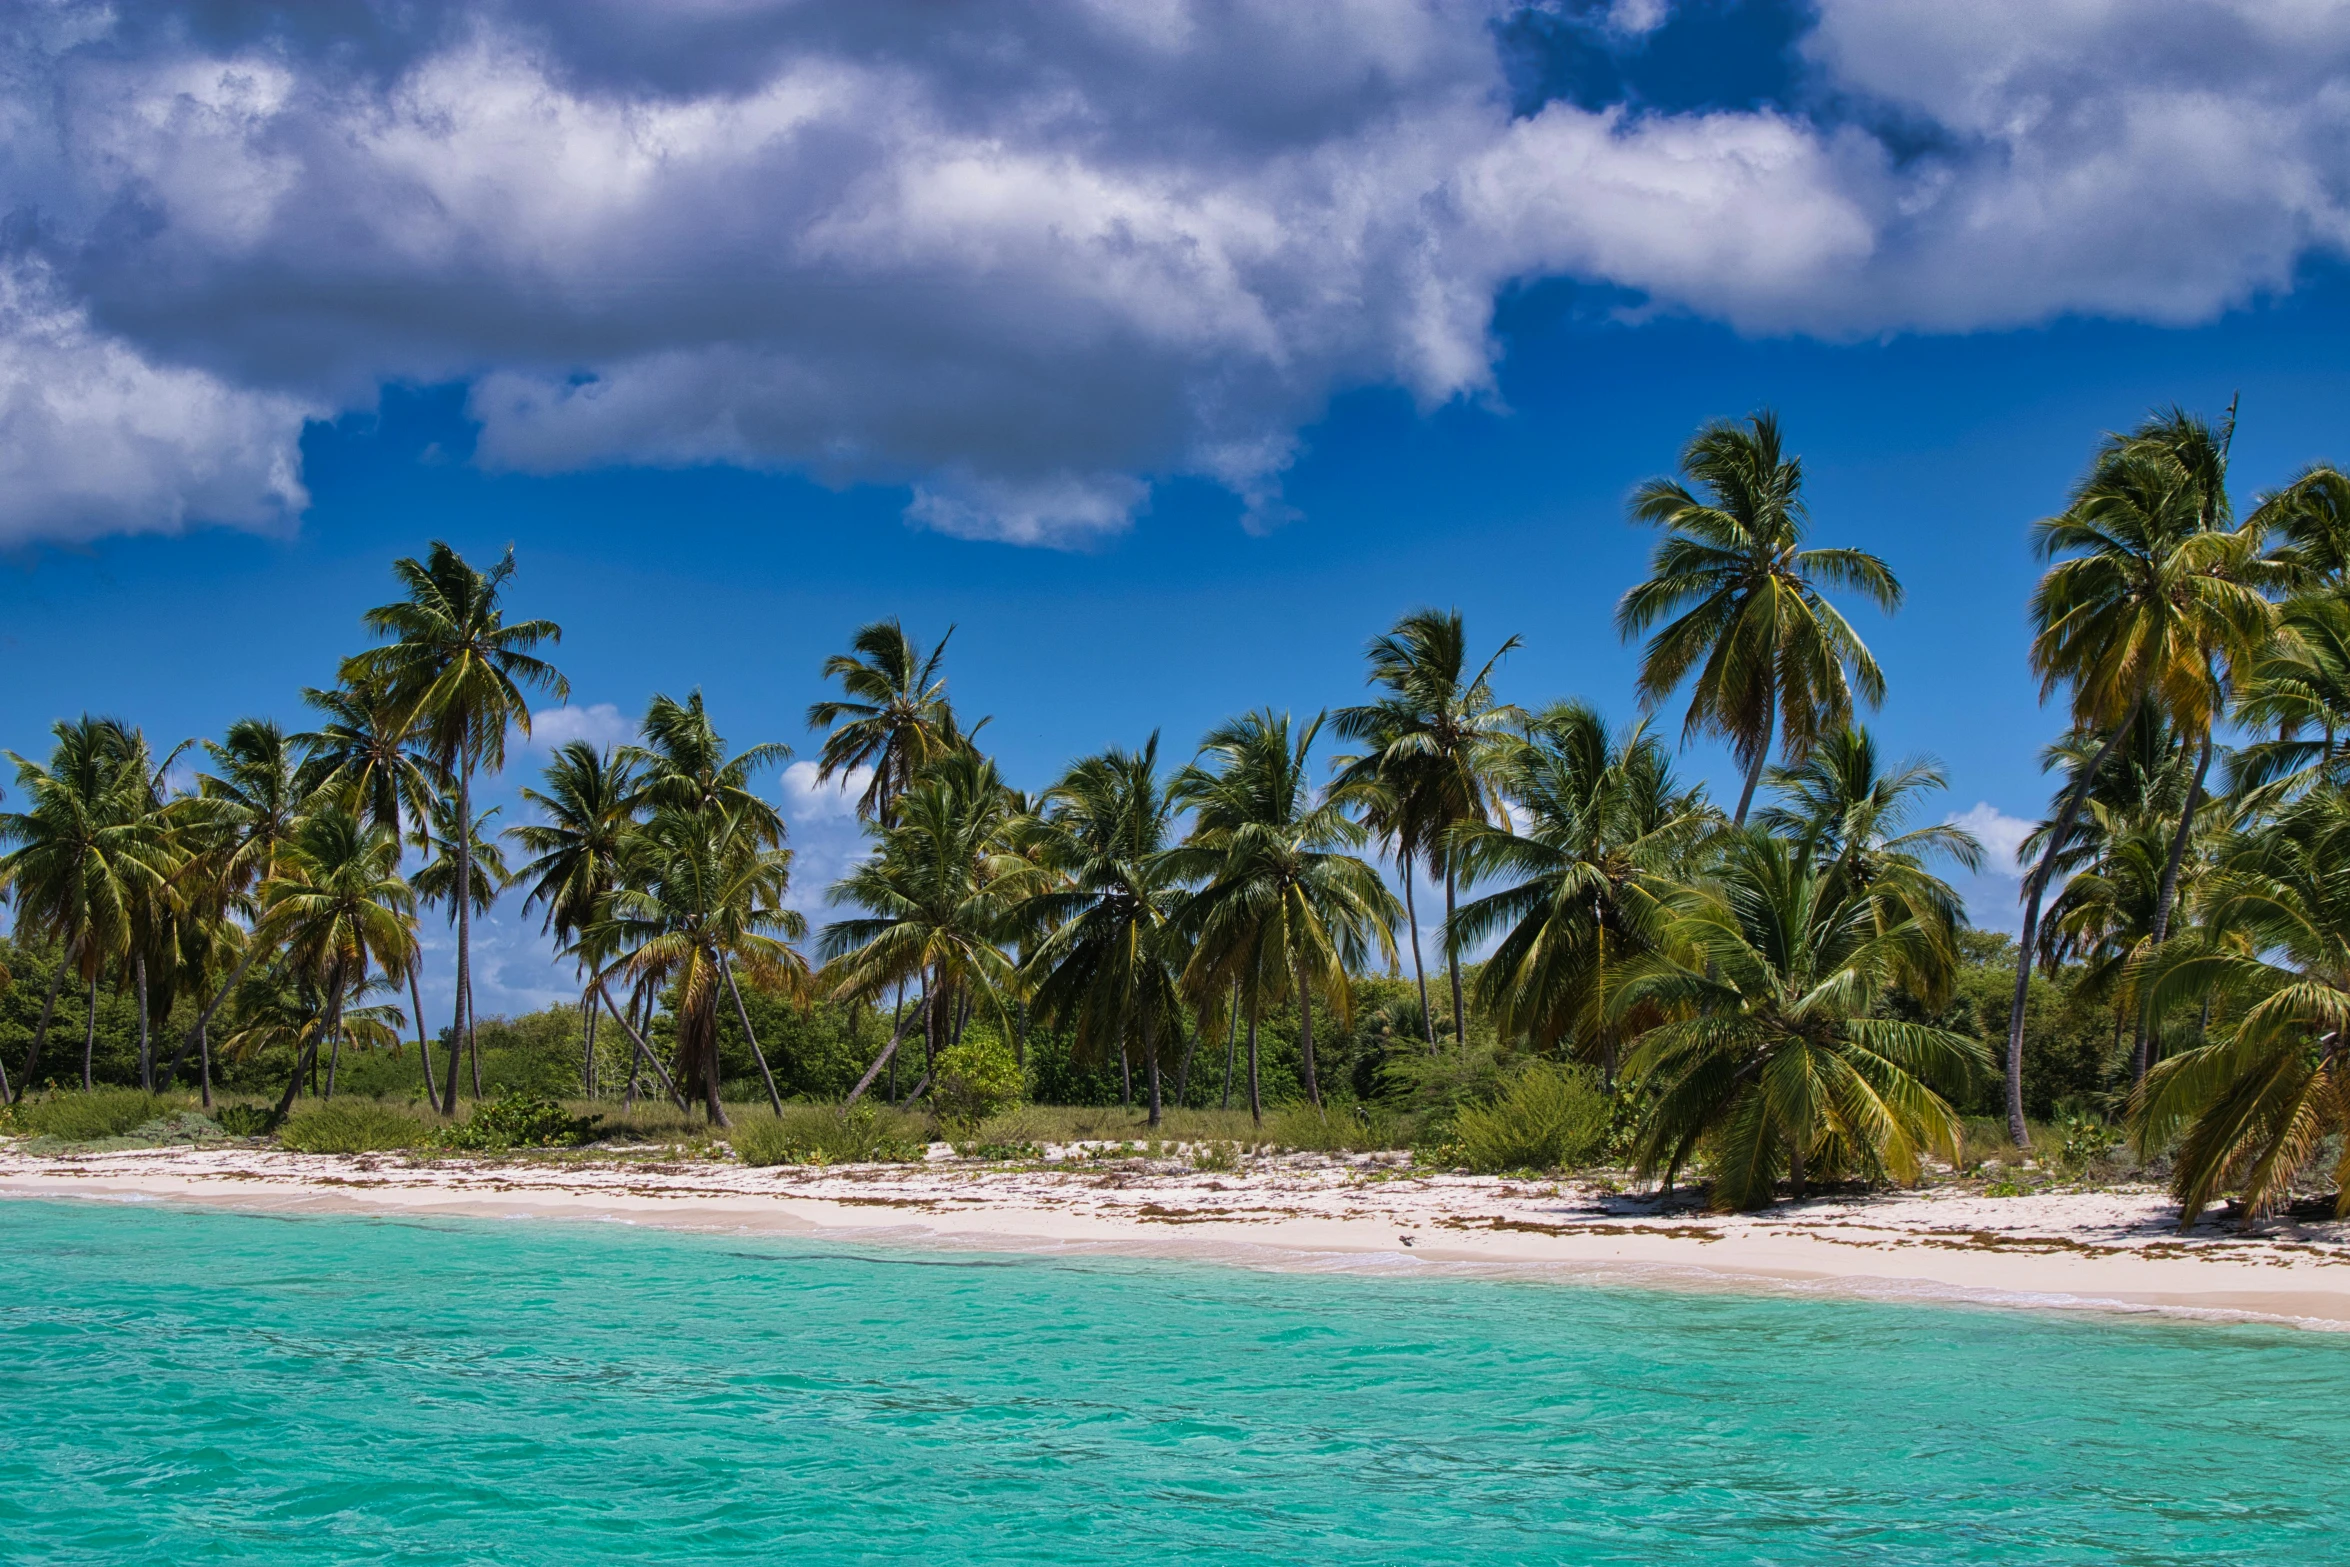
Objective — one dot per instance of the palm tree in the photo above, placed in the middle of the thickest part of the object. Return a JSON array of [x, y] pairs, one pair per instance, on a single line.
[[92, 848], [456, 668], [939, 893], [1773, 1063], [341, 911], [2152, 598], [1435, 736], [1743, 599], [683, 765], [436, 882], [2258, 1100], [1850, 813], [704, 898], [366, 752], [588, 820], [893, 716], [1279, 891], [1110, 960], [2299, 687], [1607, 834]]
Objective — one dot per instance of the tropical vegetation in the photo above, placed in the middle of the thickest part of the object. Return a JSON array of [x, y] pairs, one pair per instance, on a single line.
[[1760, 995]]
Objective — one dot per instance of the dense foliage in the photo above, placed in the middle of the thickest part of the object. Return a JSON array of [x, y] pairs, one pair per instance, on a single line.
[[1756, 998]]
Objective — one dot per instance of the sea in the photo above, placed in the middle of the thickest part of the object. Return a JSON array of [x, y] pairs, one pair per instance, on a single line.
[[185, 1384]]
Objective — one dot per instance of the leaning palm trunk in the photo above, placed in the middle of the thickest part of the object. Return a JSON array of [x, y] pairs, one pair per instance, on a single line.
[[462, 1024], [1150, 1047], [1231, 1043], [423, 1039], [2034, 889], [308, 1056], [2166, 898], [1256, 1102], [889, 1052], [1411, 914], [634, 1038], [744, 1016], [196, 1036], [146, 1041], [90, 1036], [41, 1031], [1452, 959], [1762, 753]]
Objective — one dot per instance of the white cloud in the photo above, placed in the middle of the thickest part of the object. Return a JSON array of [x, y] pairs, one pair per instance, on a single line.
[[599, 724], [806, 799], [96, 438], [2001, 835], [1030, 260], [827, 838]]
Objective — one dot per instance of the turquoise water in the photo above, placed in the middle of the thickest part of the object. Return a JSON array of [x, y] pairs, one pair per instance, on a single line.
[[192, 1386]]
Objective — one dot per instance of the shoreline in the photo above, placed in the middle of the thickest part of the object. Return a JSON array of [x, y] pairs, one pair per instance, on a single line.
[[2112, 1251]]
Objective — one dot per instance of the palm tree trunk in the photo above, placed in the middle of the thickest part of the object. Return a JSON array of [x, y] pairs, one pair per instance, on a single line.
[[204, 1062], [146, 1042], [744, 1016], [587, 1055], [2034, 888], [889, 1054], [1151, 1060], [1411, 913], [1762, 754], [1183, 1072], [308, 1060], [1452, 958], [1231, 1043], [634, 1038], [1125, 1078], [472, 1038], [41, 1031], [90, 1036], [1305, 1034], [1256, 1101], [460, 1028], [204, 1018], [334, 1057], [2167, 897], [423, 1038]]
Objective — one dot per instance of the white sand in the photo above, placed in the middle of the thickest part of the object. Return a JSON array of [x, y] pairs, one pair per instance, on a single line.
[[2101, 1250]]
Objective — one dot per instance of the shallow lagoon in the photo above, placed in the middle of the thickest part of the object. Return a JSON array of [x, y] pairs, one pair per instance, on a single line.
[[190, 1385]]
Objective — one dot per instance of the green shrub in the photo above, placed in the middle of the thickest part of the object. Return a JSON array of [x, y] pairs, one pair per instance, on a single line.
[[350, 1126], [86, 1117], [246, 1120], [2089, 1145], [1550, 1119], [1337, 1128], [820, 1134], [517, 1120], [977, 1077]]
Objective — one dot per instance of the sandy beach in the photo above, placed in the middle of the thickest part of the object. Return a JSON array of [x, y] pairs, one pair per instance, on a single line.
[[2105, 1250]]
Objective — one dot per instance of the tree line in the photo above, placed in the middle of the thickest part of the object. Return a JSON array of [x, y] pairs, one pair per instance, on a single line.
[[1765, 987]]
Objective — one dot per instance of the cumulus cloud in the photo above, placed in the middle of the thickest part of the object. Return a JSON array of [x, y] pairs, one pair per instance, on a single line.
[[1029, 259], [599, 724], [2001, 835]]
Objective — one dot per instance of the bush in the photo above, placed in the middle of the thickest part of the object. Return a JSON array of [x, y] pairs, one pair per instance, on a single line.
[[350, 1126], [86, 1117], [516, 1120], [1337, 1128], [246, 1120], [820, 1134], [1550, 1119], [977, 1077]]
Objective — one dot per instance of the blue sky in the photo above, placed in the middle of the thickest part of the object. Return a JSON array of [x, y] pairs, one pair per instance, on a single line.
[[1149, 491]]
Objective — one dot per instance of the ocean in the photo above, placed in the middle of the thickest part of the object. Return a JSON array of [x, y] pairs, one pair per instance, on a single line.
[[188, 1385]]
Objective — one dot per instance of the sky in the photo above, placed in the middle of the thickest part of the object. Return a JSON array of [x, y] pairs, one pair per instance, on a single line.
[[1166, 351]]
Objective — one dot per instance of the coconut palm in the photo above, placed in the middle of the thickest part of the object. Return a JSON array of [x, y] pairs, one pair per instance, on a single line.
[[1601, 835], [703, 898], [1772, 1063], [343, 915], [1280, 893], [1109, 963], [587, 818], [2153, 597], [2252, 1105], [892, 717], [1434, 738], [683, 765], [366, 751], [1739, 602], [478, 866], [2299, 687], [456, 670], [90, 851], [939, 891]]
